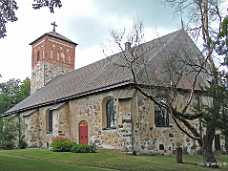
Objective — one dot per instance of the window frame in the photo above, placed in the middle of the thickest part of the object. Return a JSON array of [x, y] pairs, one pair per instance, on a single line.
[[50, 121], [38, 56], [163, 114], [111, 119]]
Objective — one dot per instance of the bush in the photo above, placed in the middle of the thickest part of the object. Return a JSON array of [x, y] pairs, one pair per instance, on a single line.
[[8, 146], [61, 144], [7, 134], [22, 144], [83, 148]]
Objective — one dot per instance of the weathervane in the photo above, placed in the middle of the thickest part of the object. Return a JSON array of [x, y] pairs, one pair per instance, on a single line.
[[54, 25]]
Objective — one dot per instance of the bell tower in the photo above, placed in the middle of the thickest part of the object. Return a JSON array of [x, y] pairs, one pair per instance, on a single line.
[[52, 54]]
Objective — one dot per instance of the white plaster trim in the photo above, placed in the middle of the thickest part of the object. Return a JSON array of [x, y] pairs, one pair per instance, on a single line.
[[29, 113], [60, 43], [57, 106], [12, 116], [111, 130], [126, 94], [39, 43]]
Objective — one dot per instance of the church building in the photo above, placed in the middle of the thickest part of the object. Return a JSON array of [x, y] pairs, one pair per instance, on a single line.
[[98, 104]]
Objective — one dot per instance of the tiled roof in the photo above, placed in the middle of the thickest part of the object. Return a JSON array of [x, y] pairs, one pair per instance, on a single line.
[[106, 73]]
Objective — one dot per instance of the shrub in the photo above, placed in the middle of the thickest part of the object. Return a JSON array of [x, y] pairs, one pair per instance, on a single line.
[[7, 134], [83, 148], [61, 144], [8, 146], [22, 144]]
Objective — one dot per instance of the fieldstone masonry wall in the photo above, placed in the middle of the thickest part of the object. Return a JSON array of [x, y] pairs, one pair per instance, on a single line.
[[44, 72], [135, 129], [66, 121], [32, 129], [90, 110], [149, 138]]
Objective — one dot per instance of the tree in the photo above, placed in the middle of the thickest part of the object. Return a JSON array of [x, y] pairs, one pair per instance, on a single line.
[[204, 15], [210, 116], [11, 132], [9, 7], [24, 89], [7, 134], [176, 64], [222, 49], [19, 132], [12, 92]]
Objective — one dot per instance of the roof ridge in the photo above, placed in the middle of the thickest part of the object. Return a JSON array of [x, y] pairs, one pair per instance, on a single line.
[[55, 35]]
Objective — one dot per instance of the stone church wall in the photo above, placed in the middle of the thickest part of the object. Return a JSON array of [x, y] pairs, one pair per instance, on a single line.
[[135, 124], [149, 138], [91, 109], [32, 128], [66, 121], [44, 72]]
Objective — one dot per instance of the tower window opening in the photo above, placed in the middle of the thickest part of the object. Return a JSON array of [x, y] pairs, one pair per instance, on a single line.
[[38, 56]]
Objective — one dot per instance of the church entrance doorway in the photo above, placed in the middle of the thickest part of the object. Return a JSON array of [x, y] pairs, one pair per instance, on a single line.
[[83, 132]]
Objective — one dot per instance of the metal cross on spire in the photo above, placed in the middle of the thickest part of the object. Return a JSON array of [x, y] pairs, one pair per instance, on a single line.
[[182, 23], [54, 25]]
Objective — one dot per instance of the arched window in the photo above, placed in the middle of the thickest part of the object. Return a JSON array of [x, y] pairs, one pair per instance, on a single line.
[[38, 56], [63, 58], [161, 114], [50, 121], [111, 113]]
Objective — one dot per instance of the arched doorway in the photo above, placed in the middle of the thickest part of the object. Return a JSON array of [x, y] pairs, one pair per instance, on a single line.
[[83, 132]]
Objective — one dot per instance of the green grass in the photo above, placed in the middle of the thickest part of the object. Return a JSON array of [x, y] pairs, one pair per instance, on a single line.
[[104, 160]]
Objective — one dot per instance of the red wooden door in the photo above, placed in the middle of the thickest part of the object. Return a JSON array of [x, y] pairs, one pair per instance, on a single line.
[[83, 132]]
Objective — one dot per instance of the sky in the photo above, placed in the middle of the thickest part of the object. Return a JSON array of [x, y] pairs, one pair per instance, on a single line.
[[86, 22]]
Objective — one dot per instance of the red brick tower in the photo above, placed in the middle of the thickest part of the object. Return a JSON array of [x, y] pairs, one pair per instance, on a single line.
[[52, 54]]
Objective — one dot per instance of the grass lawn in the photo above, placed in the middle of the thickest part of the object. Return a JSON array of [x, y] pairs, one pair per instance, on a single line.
[[103, 160]]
